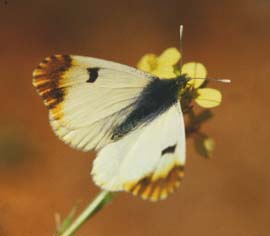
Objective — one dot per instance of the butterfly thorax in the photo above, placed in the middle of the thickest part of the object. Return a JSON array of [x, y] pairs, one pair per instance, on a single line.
[[157, 97]]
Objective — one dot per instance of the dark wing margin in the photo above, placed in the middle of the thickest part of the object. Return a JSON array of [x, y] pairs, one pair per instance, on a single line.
[[47, 79], [158, 189]]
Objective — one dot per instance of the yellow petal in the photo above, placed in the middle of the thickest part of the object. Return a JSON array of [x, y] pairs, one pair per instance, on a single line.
[[169, 57], [208, 97], [209, 145], [165, 72], [195, 70], [148, 63], [204, 145]]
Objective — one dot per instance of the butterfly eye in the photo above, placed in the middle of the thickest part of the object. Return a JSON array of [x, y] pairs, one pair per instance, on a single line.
[[182, 80]]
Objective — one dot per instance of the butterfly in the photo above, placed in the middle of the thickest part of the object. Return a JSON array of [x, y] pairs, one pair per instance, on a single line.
[[133, 120]]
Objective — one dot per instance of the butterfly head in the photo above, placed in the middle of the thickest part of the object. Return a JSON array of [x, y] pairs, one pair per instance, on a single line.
[[182, 80]]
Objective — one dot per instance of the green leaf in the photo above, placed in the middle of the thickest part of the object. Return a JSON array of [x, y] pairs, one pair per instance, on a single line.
[[67, 221], [102, 199]]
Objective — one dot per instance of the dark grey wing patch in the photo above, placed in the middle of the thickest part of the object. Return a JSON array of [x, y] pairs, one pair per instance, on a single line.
[[169, 149], [93, 74], [157, 97]]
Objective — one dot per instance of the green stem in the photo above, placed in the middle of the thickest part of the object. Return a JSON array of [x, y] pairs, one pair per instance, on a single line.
[[99, 202]]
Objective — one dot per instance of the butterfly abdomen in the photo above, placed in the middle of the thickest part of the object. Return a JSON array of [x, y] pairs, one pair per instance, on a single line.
[[156, 98]]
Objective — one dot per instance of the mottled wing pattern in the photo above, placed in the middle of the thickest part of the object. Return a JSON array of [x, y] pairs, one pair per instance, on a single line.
[[148, 162], [87, 97]]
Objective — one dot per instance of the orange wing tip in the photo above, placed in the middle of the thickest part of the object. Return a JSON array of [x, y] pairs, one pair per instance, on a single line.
[[158, 189], [48, 78]]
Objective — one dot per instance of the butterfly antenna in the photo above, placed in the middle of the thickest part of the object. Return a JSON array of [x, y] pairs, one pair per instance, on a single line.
[[181, 47], [181, 29], [225, 81]]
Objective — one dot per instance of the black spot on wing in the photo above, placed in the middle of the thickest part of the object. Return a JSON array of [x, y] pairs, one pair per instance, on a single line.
[[169, 149], [156, 98], [93, 74]]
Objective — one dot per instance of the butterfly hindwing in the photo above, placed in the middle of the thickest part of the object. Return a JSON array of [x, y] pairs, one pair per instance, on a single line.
[[87, 97], [148, 162]]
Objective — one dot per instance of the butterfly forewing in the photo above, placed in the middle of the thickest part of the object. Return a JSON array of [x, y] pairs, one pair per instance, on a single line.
[[87, 97]]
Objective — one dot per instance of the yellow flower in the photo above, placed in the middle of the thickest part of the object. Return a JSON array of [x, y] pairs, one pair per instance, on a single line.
[[163, 66], [205, 97]]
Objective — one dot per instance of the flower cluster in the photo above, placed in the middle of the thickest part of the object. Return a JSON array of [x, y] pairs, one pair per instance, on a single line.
[[166, 65]]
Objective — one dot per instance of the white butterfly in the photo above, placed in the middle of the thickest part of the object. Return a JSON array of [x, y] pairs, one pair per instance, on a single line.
[[132, 118]]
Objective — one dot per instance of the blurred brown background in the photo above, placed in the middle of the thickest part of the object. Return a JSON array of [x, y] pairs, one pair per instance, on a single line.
[[40, 175]]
